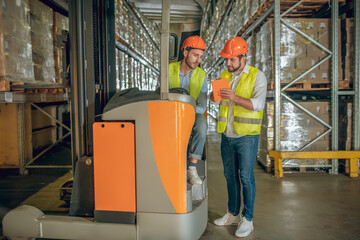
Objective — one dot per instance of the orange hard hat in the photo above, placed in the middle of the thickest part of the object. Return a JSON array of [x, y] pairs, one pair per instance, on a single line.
[[234, 47], [194, 42]]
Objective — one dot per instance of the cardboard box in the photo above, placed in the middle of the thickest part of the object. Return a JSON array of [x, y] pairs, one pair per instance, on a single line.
[[15, 44], [314, 51], [305, 63], [349, 30], [9, 142], [324, 75], [298, 54], [297, 49], [16, 9], [326, 65], [297, 128], [322, 24]]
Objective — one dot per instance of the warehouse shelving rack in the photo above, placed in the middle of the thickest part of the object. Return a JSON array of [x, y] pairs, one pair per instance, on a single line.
[[131, 51], [357, 79], [36, 100], [38, 95], [278, 93]]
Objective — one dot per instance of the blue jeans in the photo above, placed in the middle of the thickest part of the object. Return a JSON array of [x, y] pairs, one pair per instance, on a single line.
[[198, 137], [240, 154]]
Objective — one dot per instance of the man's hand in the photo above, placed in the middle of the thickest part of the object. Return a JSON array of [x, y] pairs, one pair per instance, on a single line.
[[227, 93]]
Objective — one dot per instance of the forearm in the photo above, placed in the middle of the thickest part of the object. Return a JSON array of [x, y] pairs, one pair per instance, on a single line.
[[243, 102], [200, 109], [202, 98], [201, 103]]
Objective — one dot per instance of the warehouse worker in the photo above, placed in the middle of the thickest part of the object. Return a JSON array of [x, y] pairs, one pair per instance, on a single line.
[[186, 74], [240, 116]]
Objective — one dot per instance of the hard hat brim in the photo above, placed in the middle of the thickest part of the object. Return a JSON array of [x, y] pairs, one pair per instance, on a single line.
[[182, 49], [224, 55]]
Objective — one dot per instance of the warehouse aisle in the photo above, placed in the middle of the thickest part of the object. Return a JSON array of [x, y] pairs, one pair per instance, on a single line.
[[307, 206]]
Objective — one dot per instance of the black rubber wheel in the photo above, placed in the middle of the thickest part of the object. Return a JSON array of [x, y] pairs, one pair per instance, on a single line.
[[65, 191]]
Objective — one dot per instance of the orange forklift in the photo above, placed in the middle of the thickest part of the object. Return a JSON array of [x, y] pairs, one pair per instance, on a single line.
[[138, 167]]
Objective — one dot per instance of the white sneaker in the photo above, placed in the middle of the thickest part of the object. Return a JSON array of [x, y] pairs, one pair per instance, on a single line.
[[227, 219], [245, 227], [193, 176]]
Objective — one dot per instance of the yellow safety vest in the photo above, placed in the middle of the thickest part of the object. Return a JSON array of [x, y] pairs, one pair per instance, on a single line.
[[196, 80], [246, 122]]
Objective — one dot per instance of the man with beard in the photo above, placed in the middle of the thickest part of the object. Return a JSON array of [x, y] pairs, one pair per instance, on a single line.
[[186, 74], [240, 116]]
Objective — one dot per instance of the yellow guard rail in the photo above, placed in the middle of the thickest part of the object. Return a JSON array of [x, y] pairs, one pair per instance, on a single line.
[[279, 156]]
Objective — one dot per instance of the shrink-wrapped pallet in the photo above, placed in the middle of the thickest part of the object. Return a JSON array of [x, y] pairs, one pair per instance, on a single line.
[[297, 53], [297, 129], [42, 42], [15, 44], [348, 50], [62, 24]]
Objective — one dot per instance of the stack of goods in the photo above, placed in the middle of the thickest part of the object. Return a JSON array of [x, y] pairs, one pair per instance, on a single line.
[[132, 72], [297, 53], [42, 42], [15, 44], [62, 24], [130, 31], [216, 32], [263, 56], [298, 129], [348, 50]]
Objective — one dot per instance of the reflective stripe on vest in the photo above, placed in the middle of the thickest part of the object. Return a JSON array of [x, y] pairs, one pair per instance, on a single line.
[[246, 122], [196, 80]]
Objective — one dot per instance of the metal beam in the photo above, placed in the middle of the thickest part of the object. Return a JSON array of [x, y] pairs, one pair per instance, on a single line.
[[77, 75], [48, 148], [356, 112], [277, 90], [258, 21], [125, 48], [59, 6], [51, 117], [21, 137], [334, 82], [133, 13], [164, 49], [291, 8]]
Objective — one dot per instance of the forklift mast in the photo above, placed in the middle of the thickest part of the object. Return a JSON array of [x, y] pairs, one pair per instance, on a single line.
[[93, 83], [92, 67]]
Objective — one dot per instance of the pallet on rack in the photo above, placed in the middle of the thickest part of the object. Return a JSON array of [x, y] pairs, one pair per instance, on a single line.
[[17, 88], [261, 10], [307, 8], [25, 88], [4, 85], [309, 170], [311, 86], [45, 90]]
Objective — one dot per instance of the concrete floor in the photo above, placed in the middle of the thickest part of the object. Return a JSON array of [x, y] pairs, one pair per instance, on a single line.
[[299, 206]]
